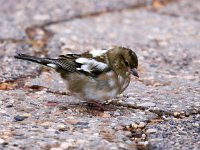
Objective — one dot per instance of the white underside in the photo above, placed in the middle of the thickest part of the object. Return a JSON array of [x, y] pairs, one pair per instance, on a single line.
[[99, 90]]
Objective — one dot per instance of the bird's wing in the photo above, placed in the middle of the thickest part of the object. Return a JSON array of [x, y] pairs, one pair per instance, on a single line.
[[67, 62], [85, 64], [91, 66], [82, 64], [70, 56]]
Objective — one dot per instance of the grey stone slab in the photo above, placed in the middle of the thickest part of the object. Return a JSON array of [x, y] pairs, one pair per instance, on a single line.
[[168, 51], [129, 28], [184, 8], [10, 29], [17, 16], [35, 12], [12, 69], [167, 48], [176, 134], [51, 81], [48, 126]]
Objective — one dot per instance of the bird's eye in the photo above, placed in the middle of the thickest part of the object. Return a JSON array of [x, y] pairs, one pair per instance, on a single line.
[[126, 63]]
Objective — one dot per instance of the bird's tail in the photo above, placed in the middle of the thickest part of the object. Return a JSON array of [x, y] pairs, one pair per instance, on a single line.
[[44, 61]]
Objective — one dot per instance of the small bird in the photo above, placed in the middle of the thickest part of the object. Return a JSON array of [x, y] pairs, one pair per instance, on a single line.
[[97, 75]]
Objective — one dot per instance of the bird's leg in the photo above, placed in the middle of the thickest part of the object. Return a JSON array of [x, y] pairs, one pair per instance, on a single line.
[[95, 105]]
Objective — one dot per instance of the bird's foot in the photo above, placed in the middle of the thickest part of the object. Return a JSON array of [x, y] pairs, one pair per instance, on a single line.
[[93, 105]]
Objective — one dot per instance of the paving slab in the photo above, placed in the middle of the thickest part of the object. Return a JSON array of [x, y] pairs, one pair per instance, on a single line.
[[167, 49], [18, 15], [22, 26], [175, 134], [10, 29], [184, 9], [48, 126], [12, 69], [37, 112]]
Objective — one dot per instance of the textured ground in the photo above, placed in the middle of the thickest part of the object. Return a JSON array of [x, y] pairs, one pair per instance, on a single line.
[[161, 110]]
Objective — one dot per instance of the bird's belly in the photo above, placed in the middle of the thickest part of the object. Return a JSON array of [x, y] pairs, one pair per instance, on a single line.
[[99, 95], [96, 89]]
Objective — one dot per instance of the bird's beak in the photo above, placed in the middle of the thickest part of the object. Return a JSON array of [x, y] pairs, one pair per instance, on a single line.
[[133, 71]]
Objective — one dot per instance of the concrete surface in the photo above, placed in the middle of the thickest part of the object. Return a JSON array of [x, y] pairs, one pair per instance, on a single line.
[[160, 110]]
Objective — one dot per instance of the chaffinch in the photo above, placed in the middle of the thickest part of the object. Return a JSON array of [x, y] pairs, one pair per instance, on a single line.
[[97, 75]]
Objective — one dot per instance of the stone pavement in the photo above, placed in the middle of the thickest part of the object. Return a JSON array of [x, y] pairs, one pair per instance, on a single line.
[[161, 110]]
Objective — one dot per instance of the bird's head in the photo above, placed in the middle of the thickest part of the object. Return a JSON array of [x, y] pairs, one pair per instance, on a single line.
[[129, 59]]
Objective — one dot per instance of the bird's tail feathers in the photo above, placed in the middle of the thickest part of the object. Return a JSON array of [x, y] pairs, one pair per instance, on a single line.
[[44, 61]]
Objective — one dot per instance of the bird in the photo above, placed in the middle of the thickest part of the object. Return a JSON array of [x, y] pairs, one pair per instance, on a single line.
[[96, 75]]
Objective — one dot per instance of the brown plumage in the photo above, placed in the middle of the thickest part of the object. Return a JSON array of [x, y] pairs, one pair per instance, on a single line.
[[96, 75]]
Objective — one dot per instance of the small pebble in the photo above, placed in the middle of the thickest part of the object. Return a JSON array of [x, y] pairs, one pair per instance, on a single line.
[[143, 143], [130, 99], [195, 124], [114, 148], [134, 125], [123, 146], [19, 118], [151, 130], [143, 136], [9, 105], [157, 140], [105, 115], [26, 115], [66, 145], [141, 125], [153, 65], [69, 143], [116, 113], [1, 141], [176, 114], [62, 127]]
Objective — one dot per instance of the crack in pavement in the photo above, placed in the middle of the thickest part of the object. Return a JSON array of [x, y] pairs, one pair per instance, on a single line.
[[139, 5], [94, 14], [38, 38], [33, 30], [170, 14], [160, 112], [174, 15], [20, 83], [138, 134], [144, 4]]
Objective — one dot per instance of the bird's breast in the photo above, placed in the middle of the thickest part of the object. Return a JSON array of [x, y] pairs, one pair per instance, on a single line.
[[106, 86]]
